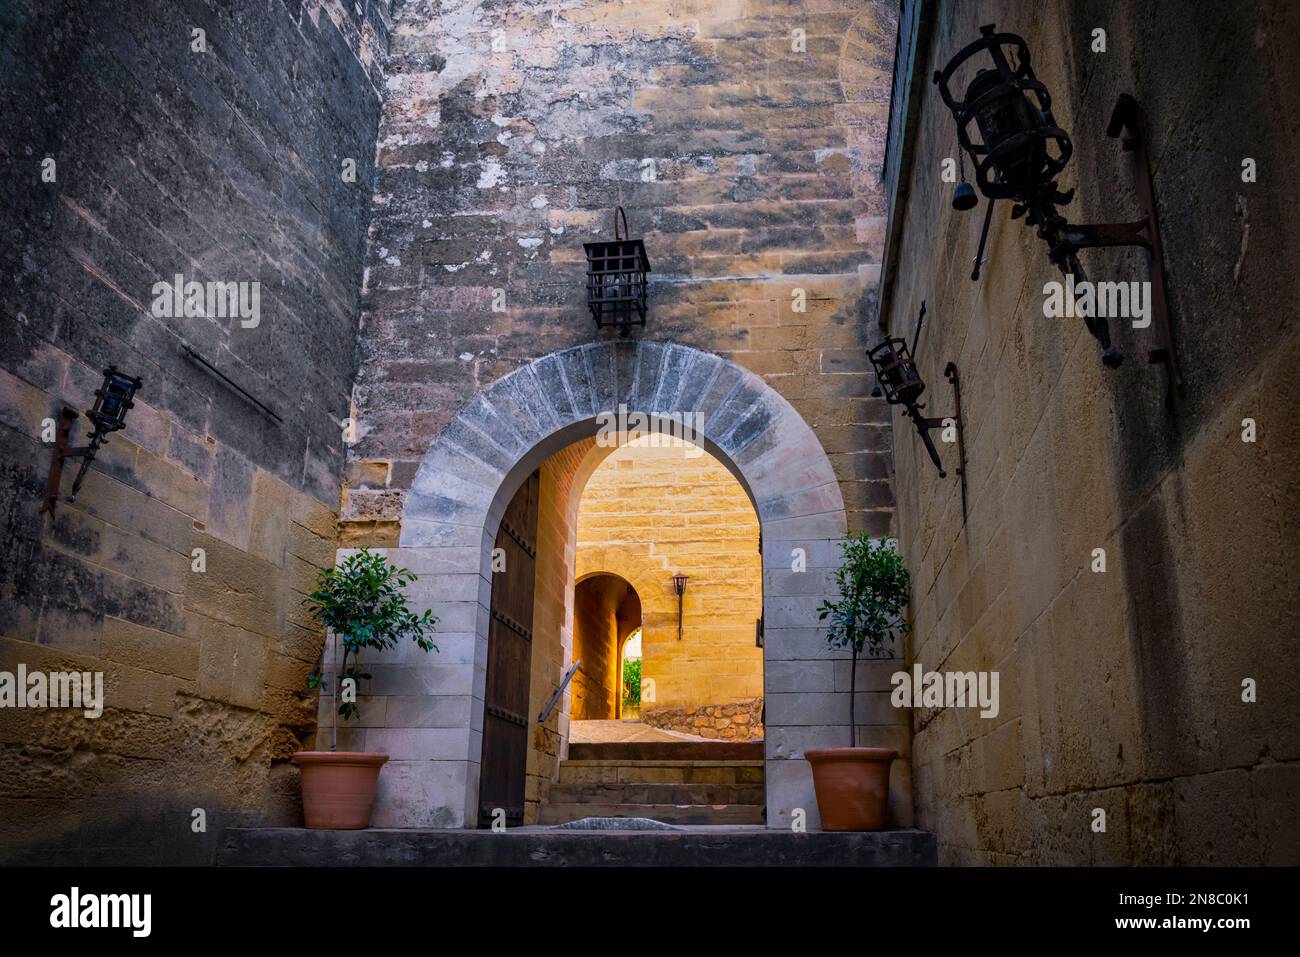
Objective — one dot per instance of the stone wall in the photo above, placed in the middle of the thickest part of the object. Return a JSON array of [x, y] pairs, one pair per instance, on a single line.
[[659, 507], [553, 618], [1122, 689], [737, 721], [744, 139], [221, 164]]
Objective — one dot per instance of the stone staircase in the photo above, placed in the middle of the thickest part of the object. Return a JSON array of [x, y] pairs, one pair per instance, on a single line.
[[704, 783]]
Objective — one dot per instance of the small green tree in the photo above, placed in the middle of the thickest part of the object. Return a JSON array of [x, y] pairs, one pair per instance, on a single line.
[[362, 603], [872, 583], [632, 682]]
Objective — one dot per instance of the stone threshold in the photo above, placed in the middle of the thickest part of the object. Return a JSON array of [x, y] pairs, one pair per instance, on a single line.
[[699, 846]]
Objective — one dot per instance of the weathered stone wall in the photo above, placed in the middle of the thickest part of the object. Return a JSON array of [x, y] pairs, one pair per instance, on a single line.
[[737, 721], [659, 507], [220, 165], [1120, 690], [511, 131]]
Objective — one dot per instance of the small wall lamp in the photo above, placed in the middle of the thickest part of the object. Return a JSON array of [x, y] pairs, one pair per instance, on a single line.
[[899, 381], [616, 279], [112, 400], [1020, 152], [679, 586]]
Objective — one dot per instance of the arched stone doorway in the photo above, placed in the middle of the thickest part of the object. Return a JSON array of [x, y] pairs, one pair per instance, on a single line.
[[501, 437]]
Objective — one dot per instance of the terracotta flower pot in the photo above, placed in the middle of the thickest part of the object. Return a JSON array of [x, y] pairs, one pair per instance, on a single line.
[[852, 786], [338, 787]]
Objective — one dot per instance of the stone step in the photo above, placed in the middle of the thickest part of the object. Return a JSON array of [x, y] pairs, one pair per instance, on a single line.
[[667, 813], [661, 772], [667, 751], [637, 793], [538, 847]]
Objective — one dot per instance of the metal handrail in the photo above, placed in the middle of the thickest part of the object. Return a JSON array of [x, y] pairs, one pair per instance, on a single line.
[[555, 698]]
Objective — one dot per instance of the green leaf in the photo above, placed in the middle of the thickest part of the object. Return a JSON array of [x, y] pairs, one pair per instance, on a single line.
[[361, 601], [871, 592]]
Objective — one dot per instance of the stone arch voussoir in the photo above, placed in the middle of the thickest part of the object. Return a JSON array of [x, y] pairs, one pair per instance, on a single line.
[[497, 439]]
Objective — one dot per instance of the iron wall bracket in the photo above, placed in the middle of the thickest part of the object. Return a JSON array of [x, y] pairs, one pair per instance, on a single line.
[[1126, 124], [924, 425], [62, 451]]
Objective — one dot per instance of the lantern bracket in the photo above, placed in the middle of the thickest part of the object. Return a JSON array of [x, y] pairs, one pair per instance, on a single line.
[[949, 373], [62, 451], [925, 423], [1065, 240], [899, 382]]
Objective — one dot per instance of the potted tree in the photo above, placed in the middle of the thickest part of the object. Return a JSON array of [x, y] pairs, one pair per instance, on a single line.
[[852, 783], [362, 604]]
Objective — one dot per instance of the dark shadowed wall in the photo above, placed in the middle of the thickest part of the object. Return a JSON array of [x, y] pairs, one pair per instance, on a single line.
[[1122, 689], [221, 161]]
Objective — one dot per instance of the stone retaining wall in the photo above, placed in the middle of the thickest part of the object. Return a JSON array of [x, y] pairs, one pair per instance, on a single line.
[[741, 721]]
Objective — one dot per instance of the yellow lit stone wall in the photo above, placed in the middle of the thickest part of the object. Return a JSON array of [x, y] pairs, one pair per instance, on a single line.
[[552, 620], [650, 511]]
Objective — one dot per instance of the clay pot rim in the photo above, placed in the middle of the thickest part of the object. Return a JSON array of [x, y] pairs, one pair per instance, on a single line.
[[353, 758], [825, 755]]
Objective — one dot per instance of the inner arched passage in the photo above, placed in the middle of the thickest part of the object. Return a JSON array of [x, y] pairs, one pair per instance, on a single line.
[[454, 510], [606, 610], [657, 511]]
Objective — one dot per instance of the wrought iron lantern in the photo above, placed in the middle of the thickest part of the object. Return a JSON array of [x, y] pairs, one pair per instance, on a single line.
[[616, 279], [902, 385], [1019, 150], [899, 381], [679, 586], [112, 401]]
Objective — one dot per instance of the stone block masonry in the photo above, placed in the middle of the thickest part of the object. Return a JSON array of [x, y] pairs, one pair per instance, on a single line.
[[1122, 689], [242, 142], [179, 572], [744, 139]]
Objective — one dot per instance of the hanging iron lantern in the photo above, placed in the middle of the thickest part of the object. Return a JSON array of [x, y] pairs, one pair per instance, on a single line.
[[896, 372], [1021, 149], [112, 401], [616, 279], [902, 385], [898, 380], [1019, 152]]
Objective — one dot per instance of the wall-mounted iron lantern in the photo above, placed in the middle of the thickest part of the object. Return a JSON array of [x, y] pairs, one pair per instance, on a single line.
[[679, 586], [1018, 155], [112, 400], [616, 279], [898, 380]]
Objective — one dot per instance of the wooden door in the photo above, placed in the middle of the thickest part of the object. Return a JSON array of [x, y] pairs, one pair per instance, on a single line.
[[510, 655]]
